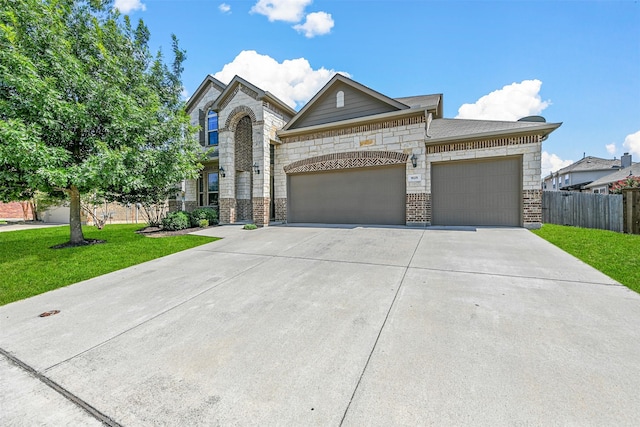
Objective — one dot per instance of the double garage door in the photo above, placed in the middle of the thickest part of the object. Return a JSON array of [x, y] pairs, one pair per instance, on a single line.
[[371, 195], [486, 192]]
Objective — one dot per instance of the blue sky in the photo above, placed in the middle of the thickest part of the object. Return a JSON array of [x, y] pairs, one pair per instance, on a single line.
[[576, 62]]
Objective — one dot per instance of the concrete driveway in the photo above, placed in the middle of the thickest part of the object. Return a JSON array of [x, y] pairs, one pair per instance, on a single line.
[[354, 326]]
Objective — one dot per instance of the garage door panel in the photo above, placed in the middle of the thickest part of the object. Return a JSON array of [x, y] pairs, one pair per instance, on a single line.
[[351, 196], [486, 192]]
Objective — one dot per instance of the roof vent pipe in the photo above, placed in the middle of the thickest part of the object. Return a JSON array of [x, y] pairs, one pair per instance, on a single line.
[[625, 160]]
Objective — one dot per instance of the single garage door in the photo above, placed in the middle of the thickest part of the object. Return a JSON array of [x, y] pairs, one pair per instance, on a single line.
[[486, 192], [372, 195]]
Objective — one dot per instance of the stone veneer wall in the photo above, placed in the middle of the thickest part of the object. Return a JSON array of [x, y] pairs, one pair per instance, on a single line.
[[374, 144]]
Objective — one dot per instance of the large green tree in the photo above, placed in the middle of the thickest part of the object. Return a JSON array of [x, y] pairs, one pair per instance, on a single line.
[[85, 106]]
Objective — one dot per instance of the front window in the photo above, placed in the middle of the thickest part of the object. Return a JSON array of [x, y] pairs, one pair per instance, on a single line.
[[212, 128], [208, 189]]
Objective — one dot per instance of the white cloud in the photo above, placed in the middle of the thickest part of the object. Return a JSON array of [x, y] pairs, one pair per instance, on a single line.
[[126, 6], [511, 103], [224, 8], [293, 81], [611, 148], [551, 163], [281, 10], [632, 143], [184, 94], [317, 24]]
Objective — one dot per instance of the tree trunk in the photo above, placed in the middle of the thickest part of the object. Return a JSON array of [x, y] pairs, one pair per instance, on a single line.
[[75, 222]]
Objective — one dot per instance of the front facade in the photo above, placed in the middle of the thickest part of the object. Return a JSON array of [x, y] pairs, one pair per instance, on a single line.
[[355, 156]]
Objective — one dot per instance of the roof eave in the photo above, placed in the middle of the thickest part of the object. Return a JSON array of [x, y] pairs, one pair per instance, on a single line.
[[272, 98], [237, 80], [203, 86], [283, 133], [545, 129]]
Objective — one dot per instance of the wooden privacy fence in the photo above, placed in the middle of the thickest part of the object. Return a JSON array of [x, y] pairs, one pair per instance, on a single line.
[[588, 210]]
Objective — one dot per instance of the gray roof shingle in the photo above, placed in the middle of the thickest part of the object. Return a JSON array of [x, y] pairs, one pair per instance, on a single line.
[[591, 163], [454, 128], [426, 101], [633, 170]]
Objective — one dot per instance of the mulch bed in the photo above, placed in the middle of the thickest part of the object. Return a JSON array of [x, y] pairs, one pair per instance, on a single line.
[[159, 232], [85, 242]]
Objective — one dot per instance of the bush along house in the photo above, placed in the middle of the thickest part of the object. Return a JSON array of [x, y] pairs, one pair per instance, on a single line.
[[352, 155]]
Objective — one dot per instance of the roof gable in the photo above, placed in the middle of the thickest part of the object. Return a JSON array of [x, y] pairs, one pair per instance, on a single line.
[[359, 101], [590, 163], [252, 90], [207, 83]]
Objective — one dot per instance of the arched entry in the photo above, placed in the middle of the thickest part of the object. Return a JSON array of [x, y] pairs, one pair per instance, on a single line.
[[243, 167]]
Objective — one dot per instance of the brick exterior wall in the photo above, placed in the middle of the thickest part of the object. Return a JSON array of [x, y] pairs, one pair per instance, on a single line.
[[261, 211], [281, 209], [243, 146], [532, 208], [244, 210], [418, 209], [227, 211], [13, 211]]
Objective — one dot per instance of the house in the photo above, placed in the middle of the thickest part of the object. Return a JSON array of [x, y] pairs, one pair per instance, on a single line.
[[629, 169], [581, 173], [16, 211], [353, 155]]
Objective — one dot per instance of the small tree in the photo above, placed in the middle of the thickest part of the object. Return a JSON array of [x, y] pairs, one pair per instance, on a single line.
[[85, 107], [629, 182]]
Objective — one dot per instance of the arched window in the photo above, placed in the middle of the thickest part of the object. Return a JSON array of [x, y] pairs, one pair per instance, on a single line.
[[212, 128], [340, 99]]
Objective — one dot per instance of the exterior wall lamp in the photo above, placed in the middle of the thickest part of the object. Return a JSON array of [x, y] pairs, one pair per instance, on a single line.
[[414, 160], [256, 168], [221, 169]]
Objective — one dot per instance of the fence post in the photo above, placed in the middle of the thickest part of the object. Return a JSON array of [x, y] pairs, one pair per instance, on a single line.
[[631, 210]]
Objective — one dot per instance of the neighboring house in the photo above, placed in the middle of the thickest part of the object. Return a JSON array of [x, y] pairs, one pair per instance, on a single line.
[[353, 155], [15, 211], [578, 175], [602, 185]]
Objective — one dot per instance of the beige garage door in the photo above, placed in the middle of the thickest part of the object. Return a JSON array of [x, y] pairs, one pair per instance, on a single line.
[[486, 192], [373, 195]]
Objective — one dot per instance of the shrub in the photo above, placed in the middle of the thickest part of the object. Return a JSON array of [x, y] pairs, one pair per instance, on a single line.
[[178, 220], [250, 226], [203, 223], [203, 213]]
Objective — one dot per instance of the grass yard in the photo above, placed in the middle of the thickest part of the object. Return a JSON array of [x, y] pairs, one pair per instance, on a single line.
[[615, 254], [29, 267]]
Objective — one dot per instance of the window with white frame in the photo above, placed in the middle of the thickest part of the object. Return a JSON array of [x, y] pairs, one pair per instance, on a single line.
[[340, 99]]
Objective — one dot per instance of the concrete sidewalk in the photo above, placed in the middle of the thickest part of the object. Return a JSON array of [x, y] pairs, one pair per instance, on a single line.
[[331, 326], [27, 226]]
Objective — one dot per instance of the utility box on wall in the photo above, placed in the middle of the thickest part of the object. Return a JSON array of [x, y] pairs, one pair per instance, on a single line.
[[631, 210]]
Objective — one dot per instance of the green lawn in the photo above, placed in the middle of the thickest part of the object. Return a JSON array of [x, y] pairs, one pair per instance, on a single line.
[[615, 254], [29, 267]]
